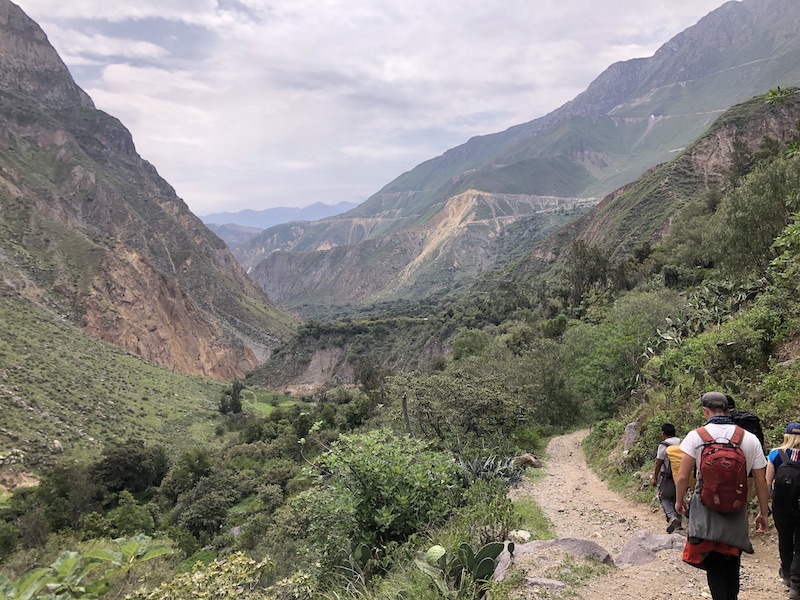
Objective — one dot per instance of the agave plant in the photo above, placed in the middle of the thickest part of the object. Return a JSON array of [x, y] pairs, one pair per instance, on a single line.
[[493, 467]]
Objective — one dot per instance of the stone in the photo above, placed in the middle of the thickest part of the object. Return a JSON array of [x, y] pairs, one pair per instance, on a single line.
[[644, 545], [575, 547], [527, 460]]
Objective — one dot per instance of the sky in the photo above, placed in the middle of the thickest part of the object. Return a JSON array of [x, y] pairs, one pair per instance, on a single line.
[[264, 103]]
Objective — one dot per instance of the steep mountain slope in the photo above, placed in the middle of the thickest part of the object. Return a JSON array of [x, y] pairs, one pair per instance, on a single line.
[[88, 228], [406, 337], [635, 115], [64, 394], [641, 212], [471, 234]]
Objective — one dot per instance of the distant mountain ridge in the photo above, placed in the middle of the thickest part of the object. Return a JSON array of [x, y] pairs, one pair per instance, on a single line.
[[635, 115], [88, 229], [238, 228], [269, 217]]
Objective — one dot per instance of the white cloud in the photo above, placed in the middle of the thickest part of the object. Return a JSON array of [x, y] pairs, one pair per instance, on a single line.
[[249, 103]]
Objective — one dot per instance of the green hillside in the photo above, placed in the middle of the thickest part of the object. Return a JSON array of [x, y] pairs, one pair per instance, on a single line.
[[59, 384]]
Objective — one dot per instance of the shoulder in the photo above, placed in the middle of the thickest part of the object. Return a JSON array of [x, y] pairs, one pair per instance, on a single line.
[[691, 443], [773, 454], [750, 441]]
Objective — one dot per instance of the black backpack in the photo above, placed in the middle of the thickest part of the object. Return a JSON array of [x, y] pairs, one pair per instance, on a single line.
[[749, 422], [786, 490]]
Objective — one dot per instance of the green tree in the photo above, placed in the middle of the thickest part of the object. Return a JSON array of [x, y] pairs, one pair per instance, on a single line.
[[469, 342], [132, 465], [755, 214], [130, 517], [470, 406], [587, 271]]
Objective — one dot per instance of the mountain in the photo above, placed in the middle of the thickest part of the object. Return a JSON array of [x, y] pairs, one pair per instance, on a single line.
[[411, 336], [234, 235], [269, 217], [241, 227], [89, 230], [635, 115], [642, 212]]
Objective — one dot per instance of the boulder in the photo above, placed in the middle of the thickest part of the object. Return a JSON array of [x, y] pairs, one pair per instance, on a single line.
[[644, 545], [527, 460], [574, 547]]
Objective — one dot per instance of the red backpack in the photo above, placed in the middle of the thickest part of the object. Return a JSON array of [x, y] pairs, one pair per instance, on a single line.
[[723, 470]]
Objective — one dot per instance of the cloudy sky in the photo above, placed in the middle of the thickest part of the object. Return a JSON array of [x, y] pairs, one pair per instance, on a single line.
[[263, 103]]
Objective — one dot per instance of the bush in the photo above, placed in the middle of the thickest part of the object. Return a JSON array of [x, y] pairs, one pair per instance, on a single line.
[[235, 576], [380, 489], [130, 517], [488, 512], [9, 535]]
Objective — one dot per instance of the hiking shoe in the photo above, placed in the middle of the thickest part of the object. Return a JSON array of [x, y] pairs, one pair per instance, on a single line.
[[675, 523], [786, 581], [794, 593]]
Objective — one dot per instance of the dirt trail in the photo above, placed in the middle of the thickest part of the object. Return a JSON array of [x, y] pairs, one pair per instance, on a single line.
[[581, 505]]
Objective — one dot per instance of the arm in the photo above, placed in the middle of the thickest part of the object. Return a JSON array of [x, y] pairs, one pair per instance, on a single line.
[[656, 471], [770, 474], [760, 479], [682, 482]]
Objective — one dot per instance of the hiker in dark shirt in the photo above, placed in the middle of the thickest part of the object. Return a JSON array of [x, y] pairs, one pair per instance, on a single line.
[[785, 511], [662, 477]]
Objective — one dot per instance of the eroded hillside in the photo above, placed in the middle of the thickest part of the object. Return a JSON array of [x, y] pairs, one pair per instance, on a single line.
[[453, 245], [89, 228]]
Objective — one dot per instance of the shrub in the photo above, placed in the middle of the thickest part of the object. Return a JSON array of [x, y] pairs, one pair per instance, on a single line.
[[235, 576], [9, 535], [379, 490], [488, 512]]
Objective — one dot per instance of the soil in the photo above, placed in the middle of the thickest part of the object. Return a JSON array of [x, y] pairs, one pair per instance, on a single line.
[[11, 480], [579, 504]]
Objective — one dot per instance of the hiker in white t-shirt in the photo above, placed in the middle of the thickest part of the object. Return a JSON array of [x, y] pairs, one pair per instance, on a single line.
[[716, 540], [662, 477]]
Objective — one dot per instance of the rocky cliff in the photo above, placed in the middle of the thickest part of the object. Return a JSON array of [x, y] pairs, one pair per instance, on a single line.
[[89, 228], [453, 246]]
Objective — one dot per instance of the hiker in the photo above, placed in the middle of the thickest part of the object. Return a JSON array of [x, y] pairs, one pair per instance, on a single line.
[[662, 477], [785, 510], [716, 540], [746, 420]]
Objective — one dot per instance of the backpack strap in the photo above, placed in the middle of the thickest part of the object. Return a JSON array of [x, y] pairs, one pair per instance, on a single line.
[[704, 435], [785, 459], [738, 436], [736, 439]]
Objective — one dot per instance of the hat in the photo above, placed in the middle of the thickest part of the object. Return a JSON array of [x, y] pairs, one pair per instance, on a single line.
[[793, 428], [714, 400]]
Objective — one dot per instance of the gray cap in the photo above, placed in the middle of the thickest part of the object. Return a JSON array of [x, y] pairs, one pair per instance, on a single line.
[[714, 400]]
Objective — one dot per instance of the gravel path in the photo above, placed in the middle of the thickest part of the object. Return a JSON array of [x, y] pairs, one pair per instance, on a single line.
[[580, 504]]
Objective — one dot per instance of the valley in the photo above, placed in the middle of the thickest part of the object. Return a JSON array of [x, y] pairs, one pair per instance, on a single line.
[[340, 408]]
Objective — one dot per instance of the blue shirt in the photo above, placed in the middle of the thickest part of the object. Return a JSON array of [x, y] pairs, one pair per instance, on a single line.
[[775, 457]]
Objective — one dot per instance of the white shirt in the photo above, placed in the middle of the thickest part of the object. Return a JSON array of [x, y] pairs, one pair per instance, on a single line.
[[661, 453], [692, 444]]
